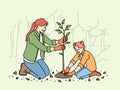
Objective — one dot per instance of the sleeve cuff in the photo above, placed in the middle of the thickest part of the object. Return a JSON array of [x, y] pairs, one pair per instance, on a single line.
[[48, 49], [80, 65], [54, 42], [73, 62]]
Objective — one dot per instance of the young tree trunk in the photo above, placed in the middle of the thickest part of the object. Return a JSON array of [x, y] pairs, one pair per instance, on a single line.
[[63, 60], [63, 52]]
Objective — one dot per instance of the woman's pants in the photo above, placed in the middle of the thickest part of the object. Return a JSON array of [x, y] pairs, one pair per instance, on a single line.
[[38, 69]]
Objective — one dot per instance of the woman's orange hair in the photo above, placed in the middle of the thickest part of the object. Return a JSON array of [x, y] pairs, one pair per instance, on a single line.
[[38, 22]]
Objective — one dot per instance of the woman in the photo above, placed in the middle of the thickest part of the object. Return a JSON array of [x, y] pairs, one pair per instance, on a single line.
[[34, 53]]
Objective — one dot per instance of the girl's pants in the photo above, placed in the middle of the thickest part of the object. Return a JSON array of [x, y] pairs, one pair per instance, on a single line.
[[83, 73]]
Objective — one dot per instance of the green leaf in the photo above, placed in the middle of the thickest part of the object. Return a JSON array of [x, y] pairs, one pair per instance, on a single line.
[[67, 33], [68, 26], [63, 21], [61, 53], [67, 42], [59, 24], [61, 27], [59, 31], [67, 29]]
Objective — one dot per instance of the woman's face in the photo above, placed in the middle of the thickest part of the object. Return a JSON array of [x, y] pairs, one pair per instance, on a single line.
[[41, 28]]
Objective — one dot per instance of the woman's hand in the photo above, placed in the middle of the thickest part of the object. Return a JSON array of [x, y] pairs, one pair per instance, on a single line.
[[62, 40], [57, 48]]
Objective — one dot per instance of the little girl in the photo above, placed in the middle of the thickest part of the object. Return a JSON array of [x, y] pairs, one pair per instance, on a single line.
[[86, 67]]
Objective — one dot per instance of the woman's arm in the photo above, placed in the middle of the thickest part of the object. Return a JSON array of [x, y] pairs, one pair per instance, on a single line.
[[33, 40], [49, 41]]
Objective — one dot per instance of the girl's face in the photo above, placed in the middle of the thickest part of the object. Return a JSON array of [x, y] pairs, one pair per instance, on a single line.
[[78, 50], [41, 28]]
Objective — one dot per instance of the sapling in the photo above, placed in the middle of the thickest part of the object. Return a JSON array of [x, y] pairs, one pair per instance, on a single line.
[[65, 31]]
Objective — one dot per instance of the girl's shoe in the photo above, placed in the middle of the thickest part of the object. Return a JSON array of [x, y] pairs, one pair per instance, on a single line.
[[95, 73]]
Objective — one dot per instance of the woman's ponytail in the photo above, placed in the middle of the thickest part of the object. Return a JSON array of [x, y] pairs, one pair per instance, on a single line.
[[38, 22], [31, 30]]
